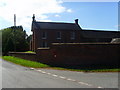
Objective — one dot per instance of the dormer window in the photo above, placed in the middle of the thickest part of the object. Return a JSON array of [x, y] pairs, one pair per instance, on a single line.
[[44, 35], [58, 35]]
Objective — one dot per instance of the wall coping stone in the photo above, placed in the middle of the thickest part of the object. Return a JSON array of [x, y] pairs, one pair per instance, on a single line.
[[22, 53], [85, 43], [44, 48]]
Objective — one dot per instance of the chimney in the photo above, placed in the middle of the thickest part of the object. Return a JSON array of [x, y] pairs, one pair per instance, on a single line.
[[33, 17], [76, 21]]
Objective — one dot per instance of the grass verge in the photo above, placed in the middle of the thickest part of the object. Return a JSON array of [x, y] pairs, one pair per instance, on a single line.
[[24, 62], [29, 52], [34, 64]]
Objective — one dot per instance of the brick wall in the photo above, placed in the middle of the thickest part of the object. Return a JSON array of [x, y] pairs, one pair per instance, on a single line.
[[81, 54], [77, 54], [28, 56]]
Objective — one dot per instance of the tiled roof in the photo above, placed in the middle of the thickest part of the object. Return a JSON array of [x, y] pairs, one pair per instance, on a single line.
[[55, 25], [73, 26], [100, 34]]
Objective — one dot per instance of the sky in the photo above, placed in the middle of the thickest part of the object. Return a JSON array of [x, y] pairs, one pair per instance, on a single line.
[[92, 14]]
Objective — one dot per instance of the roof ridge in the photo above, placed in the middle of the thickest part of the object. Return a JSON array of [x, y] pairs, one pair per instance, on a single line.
[[55, 22], [99, 30]]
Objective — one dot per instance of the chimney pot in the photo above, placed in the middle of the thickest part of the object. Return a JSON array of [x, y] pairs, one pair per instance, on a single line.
[[33, 17], [76, 21]]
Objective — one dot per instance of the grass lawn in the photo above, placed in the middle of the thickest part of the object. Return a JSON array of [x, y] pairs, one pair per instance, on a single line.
[[34, 64]]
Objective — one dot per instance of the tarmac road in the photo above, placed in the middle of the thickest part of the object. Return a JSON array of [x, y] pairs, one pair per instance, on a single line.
[[15, 76]]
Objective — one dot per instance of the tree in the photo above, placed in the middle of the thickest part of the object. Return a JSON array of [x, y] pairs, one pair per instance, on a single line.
[[9, 46], [14, 39]]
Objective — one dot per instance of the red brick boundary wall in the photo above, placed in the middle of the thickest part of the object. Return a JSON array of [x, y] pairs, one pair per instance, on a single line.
[[79, 54], [28, 56]]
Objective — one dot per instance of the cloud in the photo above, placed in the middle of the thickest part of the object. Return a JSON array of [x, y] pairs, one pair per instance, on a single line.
[[57, 15], [24, 9], [69, 10], [91, 0], [60, 1]]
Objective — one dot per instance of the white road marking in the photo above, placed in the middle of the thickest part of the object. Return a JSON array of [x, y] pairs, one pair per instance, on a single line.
[[85, 83], [32, 68], [69, 79], [48, 73], [81, 83], [100, 87], [55, 75], [62, 77], [39, 70], [43, 72], [89, 84]]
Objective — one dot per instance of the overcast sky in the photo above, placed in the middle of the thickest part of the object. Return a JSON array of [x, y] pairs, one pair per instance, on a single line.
[[92, 15]]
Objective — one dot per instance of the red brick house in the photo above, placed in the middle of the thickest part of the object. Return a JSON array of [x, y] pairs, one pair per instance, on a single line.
[[45, 33]]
